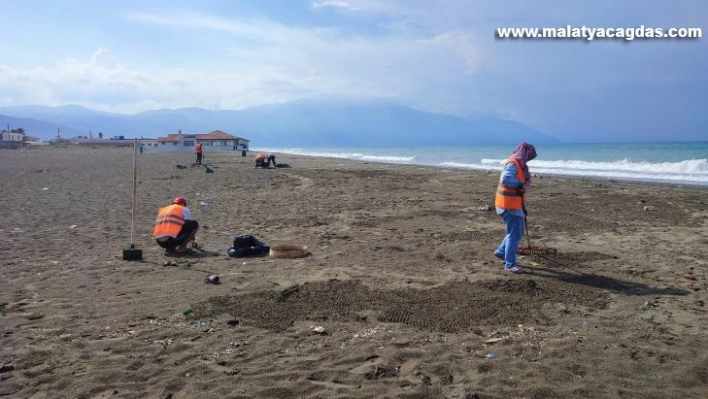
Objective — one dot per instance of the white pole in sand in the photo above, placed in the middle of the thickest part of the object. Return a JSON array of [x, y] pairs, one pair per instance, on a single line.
[[135, 190], [132, 253]]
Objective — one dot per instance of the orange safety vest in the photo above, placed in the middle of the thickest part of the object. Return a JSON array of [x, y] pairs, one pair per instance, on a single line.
[[199, 148], [169, 221], [260, 157], [511, 198]]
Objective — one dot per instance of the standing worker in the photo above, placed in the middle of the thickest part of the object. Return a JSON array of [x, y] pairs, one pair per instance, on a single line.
[[198, 151], [174, 227], [510, 203]]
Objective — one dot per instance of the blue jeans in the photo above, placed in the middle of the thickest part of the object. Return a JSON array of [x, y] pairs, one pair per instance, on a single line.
[[510, 243]]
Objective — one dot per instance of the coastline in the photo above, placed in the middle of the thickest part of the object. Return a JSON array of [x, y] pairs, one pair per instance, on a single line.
[[558, 177], [681, 164], [401, 279]]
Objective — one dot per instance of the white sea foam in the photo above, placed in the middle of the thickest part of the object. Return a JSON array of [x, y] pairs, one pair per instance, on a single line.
[[689, 166], [348, 155], [315, 153], [496, 167], [687, 171], [380, 158]]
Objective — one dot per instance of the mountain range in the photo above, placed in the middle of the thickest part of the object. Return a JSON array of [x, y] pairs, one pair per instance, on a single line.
[[303, 123]]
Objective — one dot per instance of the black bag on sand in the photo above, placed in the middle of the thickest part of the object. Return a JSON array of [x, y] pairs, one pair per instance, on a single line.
[[248, 245]]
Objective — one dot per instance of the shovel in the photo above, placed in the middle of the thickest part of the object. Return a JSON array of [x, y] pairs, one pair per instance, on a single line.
[[132, 253]]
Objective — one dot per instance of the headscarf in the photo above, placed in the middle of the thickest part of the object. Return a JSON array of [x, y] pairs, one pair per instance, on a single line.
[[524, 152]]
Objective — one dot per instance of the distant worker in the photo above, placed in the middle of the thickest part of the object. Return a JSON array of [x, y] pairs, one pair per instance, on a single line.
[[270, 158], [142, 148], [198, 151], [260, 159], [510, 203], [174, 227]]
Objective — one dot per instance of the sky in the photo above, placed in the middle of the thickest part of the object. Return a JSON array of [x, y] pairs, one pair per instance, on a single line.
[[442, 56]]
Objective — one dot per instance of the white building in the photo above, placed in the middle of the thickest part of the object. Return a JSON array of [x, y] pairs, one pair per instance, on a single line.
[[11, 139], [214, 141]]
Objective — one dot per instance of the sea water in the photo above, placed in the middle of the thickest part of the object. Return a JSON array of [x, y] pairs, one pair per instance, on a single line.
[[678, 163]]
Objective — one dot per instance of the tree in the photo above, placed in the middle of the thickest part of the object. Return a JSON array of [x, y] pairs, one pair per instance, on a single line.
[[100, 135]]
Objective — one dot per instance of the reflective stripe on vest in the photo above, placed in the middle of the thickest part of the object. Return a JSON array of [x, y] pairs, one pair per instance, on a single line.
[[511, 198], [169, 221]]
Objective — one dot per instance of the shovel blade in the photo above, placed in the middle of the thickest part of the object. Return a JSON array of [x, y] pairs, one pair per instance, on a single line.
[[132, 254]]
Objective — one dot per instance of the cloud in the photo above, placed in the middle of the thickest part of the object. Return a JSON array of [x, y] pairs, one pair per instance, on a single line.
[[103, 58], [257, 62], [325, 59], [440, 58], [333, 4], [201, 21]]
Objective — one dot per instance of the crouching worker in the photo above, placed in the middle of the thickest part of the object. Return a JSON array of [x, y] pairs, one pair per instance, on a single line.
[[260, 159], [174, 227], [264, 160]]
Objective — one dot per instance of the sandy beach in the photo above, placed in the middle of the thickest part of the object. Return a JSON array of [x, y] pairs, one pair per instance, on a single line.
[[401, 296]]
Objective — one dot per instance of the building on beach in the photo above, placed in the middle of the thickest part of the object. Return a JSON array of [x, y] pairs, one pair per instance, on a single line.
[[12, 139], [114, 142], [214, 141], [85, 142]]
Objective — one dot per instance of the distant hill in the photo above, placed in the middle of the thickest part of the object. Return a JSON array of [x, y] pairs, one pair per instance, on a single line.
[[512, 131], [38, 128], [303, 123]]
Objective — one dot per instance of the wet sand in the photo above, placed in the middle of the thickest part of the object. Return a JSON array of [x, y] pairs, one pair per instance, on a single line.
[[401, 279]]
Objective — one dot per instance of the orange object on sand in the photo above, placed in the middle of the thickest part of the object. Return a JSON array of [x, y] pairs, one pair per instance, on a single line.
[[689, 276]]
